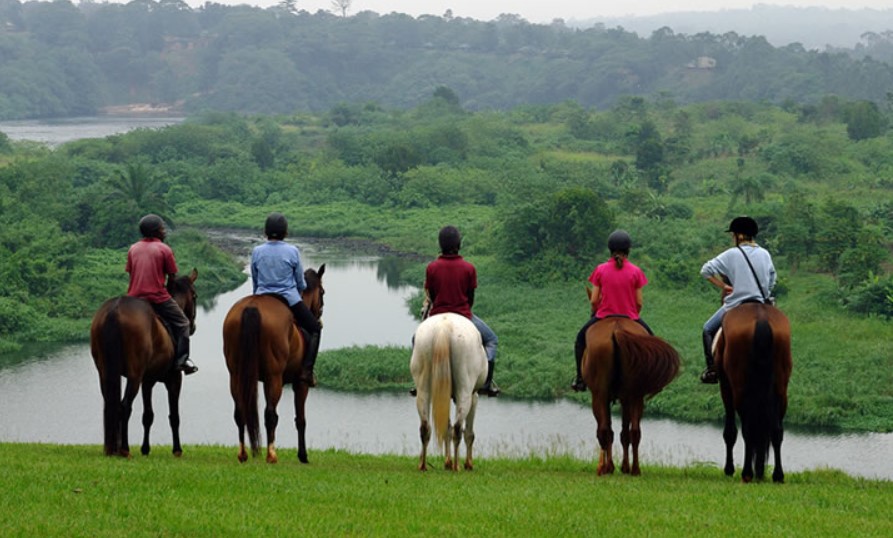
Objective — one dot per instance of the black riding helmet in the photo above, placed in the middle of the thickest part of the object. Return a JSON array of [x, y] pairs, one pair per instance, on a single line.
[[744, 226], [151, 225], [450, 240], [276, 227], [619, 241]]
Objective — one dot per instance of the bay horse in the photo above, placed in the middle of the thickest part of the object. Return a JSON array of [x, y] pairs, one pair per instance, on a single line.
[[623, 362], [127, 339], [753, 360], [262, 344], [448, 362]]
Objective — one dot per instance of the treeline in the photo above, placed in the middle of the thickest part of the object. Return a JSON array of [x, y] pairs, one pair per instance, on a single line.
[[542, 186], [60, 59]]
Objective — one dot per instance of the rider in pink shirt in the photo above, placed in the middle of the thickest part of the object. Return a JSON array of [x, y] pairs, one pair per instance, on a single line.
[[616, 291]]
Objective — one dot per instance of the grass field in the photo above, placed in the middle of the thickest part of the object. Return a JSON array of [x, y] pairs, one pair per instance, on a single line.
[[76, 491]]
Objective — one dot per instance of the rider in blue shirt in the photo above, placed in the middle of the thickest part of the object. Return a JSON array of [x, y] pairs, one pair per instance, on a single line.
[[276, 269]]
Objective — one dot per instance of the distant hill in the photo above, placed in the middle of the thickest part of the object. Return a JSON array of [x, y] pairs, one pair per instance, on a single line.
[[814, 27]]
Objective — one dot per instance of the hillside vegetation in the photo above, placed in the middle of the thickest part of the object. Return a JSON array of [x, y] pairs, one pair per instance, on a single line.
[[535, 191], [61, 59]]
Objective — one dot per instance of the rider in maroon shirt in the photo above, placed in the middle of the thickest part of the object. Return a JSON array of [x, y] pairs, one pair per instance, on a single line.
[[149, 261], [450, 282]]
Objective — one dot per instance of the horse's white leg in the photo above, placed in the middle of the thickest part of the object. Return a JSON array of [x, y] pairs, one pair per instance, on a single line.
[[469, 432], [422, 405], [447, 448]]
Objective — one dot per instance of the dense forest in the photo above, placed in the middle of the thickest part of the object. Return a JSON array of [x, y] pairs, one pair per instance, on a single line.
[[61, 59]]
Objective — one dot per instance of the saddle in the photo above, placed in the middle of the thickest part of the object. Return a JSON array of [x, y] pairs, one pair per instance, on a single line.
[[305, 334]]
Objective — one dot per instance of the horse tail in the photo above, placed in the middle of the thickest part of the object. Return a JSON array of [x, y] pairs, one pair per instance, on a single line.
[[441, 380], [650, 360], [760, 398], [113, 368], [249, 373]]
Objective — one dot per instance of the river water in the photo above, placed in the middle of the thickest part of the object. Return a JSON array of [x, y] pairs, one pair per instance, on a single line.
[[53, 396]]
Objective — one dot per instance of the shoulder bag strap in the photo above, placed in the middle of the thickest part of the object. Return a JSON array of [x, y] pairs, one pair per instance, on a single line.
[[754, 273]]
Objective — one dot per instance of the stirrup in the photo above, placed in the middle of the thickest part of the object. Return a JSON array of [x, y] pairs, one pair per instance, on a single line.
[[490, 389], [709, 376], [413, 392], [579, 385], [188, 368]]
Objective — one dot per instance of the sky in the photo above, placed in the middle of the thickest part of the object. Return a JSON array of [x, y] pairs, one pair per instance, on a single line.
[[543, 11]]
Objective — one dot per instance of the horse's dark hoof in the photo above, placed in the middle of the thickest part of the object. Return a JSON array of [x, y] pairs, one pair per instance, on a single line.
[[303, 458]]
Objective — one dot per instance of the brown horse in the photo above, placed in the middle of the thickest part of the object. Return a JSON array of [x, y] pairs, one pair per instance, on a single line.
[[127, 339], [262, 343], [753, 359], [623, 362]]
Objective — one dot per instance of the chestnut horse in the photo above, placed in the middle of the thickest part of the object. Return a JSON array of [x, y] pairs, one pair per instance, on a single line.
[[753, 359], [262, 343], [127, 339], [623, 362], [448, 362]]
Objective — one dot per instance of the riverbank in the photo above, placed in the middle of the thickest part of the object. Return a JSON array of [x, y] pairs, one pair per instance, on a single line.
[[77, 491]]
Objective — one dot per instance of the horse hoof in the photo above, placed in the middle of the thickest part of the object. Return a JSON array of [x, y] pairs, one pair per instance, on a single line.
[[469, 467], [303, 458], [178, 453], [243, 457]]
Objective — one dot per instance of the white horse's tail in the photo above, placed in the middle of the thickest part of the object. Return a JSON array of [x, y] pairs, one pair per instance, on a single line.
[[441, 379]]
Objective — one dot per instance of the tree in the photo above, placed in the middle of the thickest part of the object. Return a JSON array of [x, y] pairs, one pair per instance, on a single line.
[[341, 6], [864, 120]]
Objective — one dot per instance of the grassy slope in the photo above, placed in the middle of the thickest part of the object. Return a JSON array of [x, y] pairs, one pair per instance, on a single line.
[[76, 491]]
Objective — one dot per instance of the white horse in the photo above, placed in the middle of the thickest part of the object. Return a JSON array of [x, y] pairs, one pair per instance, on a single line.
[[448, 361]]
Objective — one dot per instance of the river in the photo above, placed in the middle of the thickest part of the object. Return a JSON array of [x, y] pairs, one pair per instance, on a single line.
[[53, 396]]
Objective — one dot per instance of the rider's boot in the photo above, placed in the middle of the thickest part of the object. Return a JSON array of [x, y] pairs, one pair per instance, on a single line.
[[307, 375], [489, 388], [578, 385], [709, 375], [183, 362]]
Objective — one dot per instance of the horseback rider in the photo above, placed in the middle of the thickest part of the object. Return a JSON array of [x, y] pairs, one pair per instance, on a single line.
[[149, 260], [749, 276], [616, 291], [276, 269], [450, 282]]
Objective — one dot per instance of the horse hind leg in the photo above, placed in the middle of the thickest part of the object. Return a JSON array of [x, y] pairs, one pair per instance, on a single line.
[[633, 433], [173, 385], [271, 420], [469, 433], [457, 440], [777, 472], [126, 411], [604, 434], [425, 436], [148, 417], [300, 390]]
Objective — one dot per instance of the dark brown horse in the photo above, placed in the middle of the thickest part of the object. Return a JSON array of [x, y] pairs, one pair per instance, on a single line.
[[262, 343], [623, 362], [127, 339], [753, 359]]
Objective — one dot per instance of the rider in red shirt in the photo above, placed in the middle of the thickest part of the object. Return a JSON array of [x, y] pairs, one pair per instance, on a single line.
[[149, 261]]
